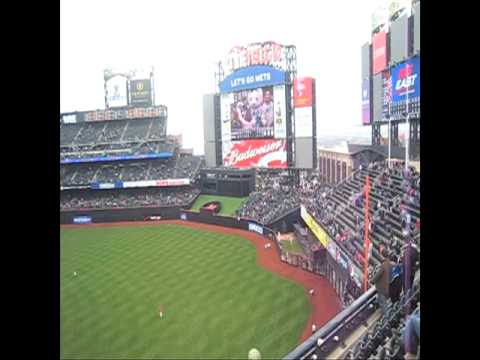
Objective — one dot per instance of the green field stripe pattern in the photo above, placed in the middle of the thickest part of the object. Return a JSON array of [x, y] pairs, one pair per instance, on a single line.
[[218, 302], [229, 204]]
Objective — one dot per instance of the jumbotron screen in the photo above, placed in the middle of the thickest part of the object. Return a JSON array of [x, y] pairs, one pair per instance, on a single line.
[[252, 113]]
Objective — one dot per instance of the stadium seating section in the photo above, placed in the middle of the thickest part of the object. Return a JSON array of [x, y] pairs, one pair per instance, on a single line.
[[394, 206], [126, 198], [87, 133], [85, 174], [119, 137]]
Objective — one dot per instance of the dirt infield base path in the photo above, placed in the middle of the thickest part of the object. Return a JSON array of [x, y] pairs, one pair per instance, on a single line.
[[325, 302]]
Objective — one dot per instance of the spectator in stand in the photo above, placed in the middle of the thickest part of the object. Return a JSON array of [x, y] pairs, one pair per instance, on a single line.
[[410, 261], [381, 214], [381, 280], [417, 226], [411, 335], [396, 281]]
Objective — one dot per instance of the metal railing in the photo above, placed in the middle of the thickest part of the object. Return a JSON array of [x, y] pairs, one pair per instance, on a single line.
[[328, 330]]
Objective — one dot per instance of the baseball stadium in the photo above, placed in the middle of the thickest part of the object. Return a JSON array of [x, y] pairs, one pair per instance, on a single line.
[[269, 245]]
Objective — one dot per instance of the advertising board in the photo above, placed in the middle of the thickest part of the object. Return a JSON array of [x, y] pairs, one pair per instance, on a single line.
[[256, 153], [406, 77], [116, 91], [256, 228], [379, 51], [140, 93], [321, 235], [251, 78], [82, 220], [303, 92]]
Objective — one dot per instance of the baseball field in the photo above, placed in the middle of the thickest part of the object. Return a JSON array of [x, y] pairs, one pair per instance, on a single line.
[[218, 302]]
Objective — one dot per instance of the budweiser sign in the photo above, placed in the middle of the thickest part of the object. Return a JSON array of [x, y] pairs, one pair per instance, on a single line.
[[256, 153]]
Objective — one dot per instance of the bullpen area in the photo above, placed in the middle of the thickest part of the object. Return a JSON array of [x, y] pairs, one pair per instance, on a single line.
[[228, 204]]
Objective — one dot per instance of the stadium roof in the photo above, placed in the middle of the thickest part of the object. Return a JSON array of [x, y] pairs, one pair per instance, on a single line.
[[352, 149]]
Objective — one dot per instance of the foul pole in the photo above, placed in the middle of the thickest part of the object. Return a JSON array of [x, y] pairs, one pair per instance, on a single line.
[[367, 239]]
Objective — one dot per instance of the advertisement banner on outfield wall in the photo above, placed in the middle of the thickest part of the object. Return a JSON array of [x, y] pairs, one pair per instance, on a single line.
[[366, 102], [116, 91], [303, 92], [379, 52], [280, 112], [303, 122], [317, 230], [256, 153], [82, 220], [256, 228]]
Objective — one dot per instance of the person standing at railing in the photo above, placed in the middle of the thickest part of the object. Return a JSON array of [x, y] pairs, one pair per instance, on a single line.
[[381, 280]]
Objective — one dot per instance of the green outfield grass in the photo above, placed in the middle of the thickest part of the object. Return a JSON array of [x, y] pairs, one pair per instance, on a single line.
[[293, 247], [218, 303], [229, 204]]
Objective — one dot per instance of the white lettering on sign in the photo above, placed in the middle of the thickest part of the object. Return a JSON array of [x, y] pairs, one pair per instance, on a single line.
[[262, 77], [251, 79], [406, 82], [237, 82], [236, 156]]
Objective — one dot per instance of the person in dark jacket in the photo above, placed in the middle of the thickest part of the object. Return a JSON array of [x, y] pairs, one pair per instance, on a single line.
[[381, 280], [410, 258]]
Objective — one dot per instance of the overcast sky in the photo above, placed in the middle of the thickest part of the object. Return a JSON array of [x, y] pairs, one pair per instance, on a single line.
[[183, 40]]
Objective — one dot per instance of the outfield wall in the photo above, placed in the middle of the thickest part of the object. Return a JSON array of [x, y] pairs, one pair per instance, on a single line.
[[282, 224], [123, 214]]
